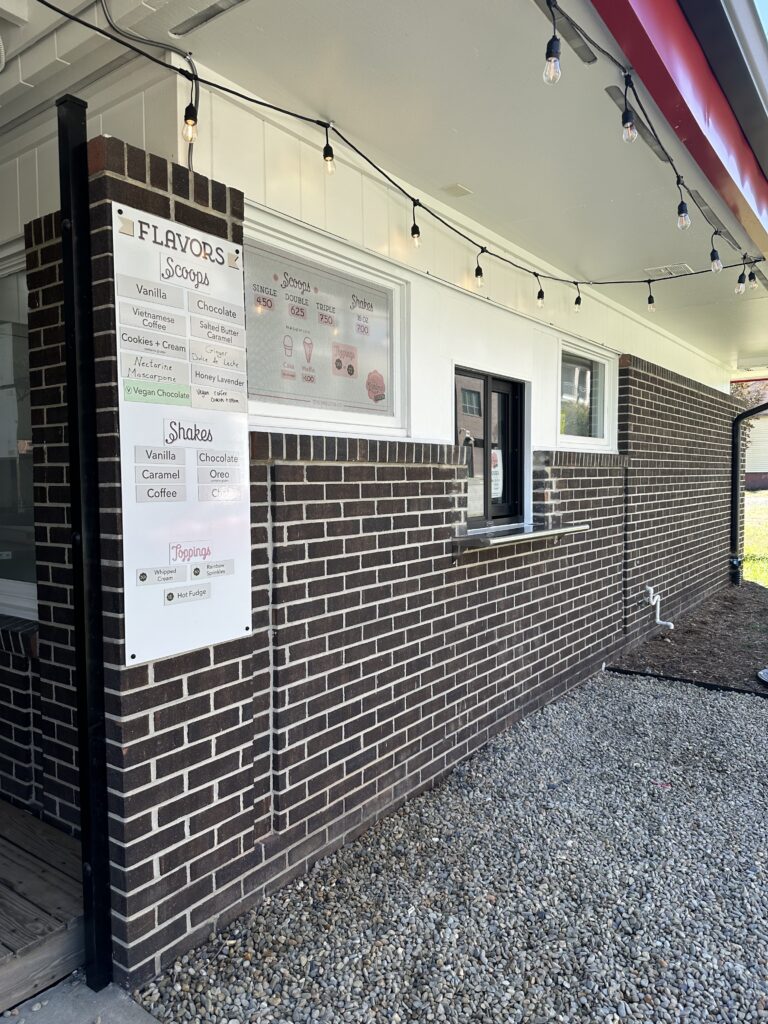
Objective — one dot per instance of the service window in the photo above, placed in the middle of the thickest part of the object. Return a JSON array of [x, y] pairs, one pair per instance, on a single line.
[[490, 423]]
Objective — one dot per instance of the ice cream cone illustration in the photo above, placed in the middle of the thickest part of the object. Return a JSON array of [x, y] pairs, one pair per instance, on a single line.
[[288, 345], [308, 346]]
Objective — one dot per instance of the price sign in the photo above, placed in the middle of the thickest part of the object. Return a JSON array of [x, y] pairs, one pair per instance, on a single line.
[[317, 337]]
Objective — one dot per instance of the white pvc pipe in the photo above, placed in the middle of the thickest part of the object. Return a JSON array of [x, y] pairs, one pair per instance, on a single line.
[[654, 600]]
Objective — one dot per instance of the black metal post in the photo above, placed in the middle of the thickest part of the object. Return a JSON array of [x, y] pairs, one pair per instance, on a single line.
[[86, 554], [736, 488]]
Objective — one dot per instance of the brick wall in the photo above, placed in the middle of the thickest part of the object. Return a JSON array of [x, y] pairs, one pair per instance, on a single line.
[[676, 435], [391, 659], [19, 714], [380, 656], [180, 732], [55, 754]]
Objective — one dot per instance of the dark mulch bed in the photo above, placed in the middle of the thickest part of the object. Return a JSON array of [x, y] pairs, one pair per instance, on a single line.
[[723, 641]]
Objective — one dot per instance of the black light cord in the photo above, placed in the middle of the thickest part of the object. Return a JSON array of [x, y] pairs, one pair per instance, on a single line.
[[678, 176], [183, 72], [328, 126], [552, 4], [587, 38], [145, 41]]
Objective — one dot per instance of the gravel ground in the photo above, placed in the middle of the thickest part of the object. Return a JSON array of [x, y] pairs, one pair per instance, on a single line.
[[603, 861]]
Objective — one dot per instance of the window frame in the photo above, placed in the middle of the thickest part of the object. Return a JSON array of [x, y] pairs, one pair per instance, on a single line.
[[609, 362], [513, 511], [17, 598]]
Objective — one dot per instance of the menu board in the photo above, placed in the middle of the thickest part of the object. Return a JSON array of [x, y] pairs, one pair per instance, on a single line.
[[317, 337], [183, 406]]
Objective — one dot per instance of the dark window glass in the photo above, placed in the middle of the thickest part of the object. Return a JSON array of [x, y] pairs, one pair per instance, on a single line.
[[17, 532], [470, 432], [489, 422], [582, 391], [470, 402]]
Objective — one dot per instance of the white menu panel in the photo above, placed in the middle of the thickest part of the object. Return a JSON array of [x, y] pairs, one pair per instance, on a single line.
[[317, 337], [183, 436]]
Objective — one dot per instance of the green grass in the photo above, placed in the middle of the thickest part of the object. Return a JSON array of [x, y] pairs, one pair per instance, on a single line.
[[756, 537]]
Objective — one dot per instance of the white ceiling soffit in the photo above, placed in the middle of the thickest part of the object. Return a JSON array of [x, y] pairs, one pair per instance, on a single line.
[[443, 92]]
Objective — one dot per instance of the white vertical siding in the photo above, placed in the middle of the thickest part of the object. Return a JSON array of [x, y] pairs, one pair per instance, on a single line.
[[757, 452]]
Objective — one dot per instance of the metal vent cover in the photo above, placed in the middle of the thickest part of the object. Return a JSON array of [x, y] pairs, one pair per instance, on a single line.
[[669, 270], [457, 191]]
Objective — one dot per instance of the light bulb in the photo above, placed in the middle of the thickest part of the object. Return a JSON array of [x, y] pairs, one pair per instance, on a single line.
[[479, 281], [683, 219], [741, 284], [651, 304], [416, 235], [577, 304], [552, 67], [715, 261], [540, 298], [189, 128], [628, 129], [752, 278], [330, 163]]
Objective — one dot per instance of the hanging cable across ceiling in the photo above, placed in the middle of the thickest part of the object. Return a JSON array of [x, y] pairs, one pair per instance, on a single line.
[[189, 132], [552, 75]]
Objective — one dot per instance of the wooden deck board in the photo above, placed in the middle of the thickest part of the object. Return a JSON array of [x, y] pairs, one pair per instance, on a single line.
[[31, 835], [41, 915], [24, 976], [47, 888], [22, 924]]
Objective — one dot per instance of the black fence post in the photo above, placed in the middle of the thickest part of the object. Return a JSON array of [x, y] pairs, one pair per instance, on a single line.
[[86, 553]]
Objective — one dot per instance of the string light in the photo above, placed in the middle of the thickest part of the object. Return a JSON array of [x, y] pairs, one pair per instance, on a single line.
[[741, 283], [683, 217], [628, 127], [552, 70], [552, 75], [330, 163], [716, 264], [651, 300], [479, 280], [415, 230], [540, 293], [189, 128]]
